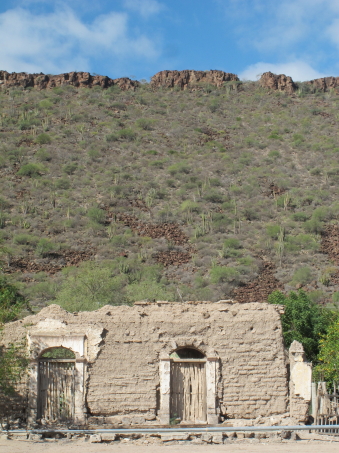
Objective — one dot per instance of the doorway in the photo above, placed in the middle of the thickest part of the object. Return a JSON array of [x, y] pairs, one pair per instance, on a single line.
[[188, 386], [56, 385]]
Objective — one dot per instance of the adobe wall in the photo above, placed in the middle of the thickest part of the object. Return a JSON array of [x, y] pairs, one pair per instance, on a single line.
[[124, 346]]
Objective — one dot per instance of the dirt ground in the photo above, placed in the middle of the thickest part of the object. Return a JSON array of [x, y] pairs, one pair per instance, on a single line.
[[307, 444]]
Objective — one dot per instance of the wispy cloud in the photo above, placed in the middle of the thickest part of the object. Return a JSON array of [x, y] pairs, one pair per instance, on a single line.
[[144, 7], [298, 70], [61, 41]]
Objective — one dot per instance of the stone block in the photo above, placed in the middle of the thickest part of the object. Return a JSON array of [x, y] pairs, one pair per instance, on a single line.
[[35, 437], [206, 437], [167, 437], [108, 437], [95, 438], [138, 420], [217, 438]]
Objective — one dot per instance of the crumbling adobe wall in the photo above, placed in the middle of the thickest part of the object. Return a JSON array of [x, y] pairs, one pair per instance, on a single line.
[[124, 377]]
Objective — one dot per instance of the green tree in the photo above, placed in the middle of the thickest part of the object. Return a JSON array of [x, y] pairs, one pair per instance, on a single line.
[[90, 287], [303, 320], [13, 362], [328, 367]]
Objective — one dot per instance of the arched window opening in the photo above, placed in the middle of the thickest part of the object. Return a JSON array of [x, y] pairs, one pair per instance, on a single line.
[[58, 353], [187, 353]]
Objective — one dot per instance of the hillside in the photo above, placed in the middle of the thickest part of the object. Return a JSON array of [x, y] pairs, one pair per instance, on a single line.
[[195, 186]]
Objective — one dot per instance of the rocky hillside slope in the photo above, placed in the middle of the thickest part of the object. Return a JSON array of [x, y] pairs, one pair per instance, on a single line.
[[193, 186]]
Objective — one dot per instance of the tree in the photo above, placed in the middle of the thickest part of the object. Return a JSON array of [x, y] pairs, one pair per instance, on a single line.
[[13, 362], [303, 320], [328, 367]]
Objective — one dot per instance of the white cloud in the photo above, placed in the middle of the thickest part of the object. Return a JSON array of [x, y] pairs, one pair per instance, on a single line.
[[144, 7], [60, 41], [298, 70]]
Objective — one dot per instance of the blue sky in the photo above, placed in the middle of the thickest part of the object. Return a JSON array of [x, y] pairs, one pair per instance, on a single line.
[[137, 38]]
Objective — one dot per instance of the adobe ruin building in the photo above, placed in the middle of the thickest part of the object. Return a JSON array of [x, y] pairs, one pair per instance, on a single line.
[[152, 363]]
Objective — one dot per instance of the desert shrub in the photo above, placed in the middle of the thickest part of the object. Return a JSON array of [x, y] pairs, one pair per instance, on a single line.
[[222, 274], [90, 287], [43, 155], [112, 137], [300, 216], [62, 183], [314, 226], [46, 104], [273, 231], [179, 167], [97, 215], [190, 206], [43, 139], [127, 134], [274, 154], [301, 242], [302, 276], [70, 168], [119, 106], [31, 170], [232, 243], [148, 289], [4, 204], [44, 247], [25, 239], [213, 196], [145, 123]]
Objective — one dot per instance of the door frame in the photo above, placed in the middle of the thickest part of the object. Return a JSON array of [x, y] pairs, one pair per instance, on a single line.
[[37, 345], [212, 372], [192, 362]]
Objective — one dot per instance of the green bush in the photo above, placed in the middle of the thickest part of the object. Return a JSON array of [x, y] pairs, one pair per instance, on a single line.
[[314, 226], [273, 231], [70, 168], [127, 134], [62, 183], [179, 167], [112, 137], [25, 239], [145, 123], [42, 155], [213, 196], [303, 275], [232, 243], [31, 170], [97, 215], [45, 246], [222, 274], [43, 139], [300, 216]]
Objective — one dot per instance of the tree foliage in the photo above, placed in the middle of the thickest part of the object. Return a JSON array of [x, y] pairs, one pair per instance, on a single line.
[[303, 320], [328, 367], [12, 359]]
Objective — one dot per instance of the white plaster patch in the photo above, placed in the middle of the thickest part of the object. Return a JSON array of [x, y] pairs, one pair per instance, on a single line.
[[302, 378]]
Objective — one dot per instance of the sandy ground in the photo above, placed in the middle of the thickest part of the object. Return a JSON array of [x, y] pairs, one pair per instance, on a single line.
[[306, 445]]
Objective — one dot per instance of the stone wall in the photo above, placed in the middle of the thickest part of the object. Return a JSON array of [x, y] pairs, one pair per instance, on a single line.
[[122, 377]]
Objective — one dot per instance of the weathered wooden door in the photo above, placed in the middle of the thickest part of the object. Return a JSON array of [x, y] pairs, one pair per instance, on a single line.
[[188, 391], [56, 389]]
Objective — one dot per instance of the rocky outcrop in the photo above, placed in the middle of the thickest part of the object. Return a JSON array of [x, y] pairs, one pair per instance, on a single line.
[[190, 78], [76, 79], [279, 82], [324, 84]]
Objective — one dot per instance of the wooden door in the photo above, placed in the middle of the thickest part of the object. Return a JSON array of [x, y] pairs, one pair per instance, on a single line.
[[188, 391], [56, 390]]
